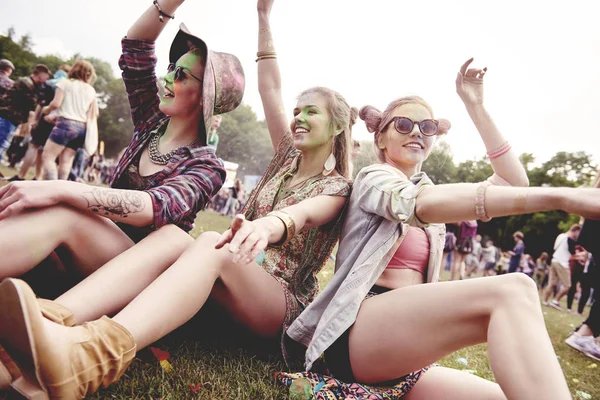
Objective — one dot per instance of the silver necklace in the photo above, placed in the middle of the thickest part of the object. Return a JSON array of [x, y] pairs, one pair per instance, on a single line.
[[154, 153]]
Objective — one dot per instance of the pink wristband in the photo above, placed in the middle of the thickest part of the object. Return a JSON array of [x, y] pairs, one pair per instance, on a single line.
[[499, 152]]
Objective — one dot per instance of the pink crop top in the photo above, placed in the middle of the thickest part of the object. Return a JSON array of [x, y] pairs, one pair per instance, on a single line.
[[413, 253]]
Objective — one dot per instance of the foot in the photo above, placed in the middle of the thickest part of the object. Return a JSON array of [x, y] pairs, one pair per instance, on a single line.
[[546, 303], [556, 304], [15, 178], [585, 344]]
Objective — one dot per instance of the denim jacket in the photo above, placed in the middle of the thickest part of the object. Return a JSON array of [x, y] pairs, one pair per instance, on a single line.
[[381, 207]]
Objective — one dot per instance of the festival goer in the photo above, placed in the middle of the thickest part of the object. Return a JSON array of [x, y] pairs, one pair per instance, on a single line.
[[291, 222], [74, 100], [473, 259], [41, 127], [18, 102], [564, 250], [516, 254], [385, 254], [577, 266], [464, 246], [541, 269], [166, 175], [213, 135], [490, 255], [6, 69], [584, 337]]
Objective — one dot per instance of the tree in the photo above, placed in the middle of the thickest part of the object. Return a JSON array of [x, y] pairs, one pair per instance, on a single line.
[[245, 141], [439, 165], [366, 157]]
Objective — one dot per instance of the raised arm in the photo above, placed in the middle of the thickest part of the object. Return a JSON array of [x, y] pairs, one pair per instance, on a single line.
[[269, 77], [149, 26], [506, 164]]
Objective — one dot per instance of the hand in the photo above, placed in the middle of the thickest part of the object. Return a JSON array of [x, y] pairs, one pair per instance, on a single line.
[[264, 6], [51, 119], [18, 196], [246, 239], [469, 84]]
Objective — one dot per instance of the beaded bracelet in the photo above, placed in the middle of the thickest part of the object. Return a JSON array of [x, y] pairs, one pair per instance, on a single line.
[[161, 13], [480, 210]]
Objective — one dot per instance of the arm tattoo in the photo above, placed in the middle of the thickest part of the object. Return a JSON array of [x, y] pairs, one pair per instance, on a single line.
[[116, 202]]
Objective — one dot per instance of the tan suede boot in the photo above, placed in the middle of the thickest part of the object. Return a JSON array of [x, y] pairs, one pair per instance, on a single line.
[[59, 363], [52, 311]]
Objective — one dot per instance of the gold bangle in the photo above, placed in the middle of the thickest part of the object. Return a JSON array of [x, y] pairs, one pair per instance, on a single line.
[[266, 53], [265, 58], [288, 222]]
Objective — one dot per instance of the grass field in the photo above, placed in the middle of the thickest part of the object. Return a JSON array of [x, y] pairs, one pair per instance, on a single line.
[[218, 360]]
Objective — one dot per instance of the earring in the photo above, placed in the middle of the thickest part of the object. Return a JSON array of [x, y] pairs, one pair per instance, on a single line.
[[329, 164]]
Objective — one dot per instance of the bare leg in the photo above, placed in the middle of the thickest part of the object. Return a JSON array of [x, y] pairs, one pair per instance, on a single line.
[[409, 324], [51, 151], [28, 160], [30, 237], [66, 161], [456, 271], [39, 166], [177, 295], [117, 282], [451, 384], [563, 290]]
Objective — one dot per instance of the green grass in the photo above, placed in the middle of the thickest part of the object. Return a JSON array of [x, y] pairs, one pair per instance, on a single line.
[[231, 364]]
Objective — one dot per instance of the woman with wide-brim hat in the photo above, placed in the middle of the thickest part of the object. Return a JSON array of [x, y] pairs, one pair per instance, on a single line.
[[166, 175]]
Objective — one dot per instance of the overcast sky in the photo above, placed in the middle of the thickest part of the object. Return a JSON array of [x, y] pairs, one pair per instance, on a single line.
[[543, 57]]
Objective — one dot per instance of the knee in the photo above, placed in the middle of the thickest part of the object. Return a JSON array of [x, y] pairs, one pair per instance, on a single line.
[[174, 236], [517, 289]]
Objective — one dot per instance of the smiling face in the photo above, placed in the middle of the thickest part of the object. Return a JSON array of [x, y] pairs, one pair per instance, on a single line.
[[311, 126], [406, 151], [183, 97]]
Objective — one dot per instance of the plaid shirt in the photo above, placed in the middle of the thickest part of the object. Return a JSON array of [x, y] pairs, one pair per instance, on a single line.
[[19, 100], [193, 175]]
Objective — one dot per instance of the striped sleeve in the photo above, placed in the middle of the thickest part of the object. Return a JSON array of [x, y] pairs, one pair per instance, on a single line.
[[184, 194]]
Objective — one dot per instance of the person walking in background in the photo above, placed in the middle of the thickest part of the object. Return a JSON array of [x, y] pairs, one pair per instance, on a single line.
[[213, 137], [517, 252], [449, 245], [6, 69], [490, 256], [464, 246], [75, 100], [41, 127], [564, 250], [541, 268], [577, 265], [473, 260], [583, 338], [18, 102]]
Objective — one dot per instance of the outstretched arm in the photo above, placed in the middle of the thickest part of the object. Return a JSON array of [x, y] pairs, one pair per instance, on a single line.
[[247, 238], [269, 77], [433, 205], [469, 86]]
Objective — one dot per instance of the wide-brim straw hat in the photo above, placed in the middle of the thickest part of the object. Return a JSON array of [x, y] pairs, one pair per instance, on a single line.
[[223, 82]]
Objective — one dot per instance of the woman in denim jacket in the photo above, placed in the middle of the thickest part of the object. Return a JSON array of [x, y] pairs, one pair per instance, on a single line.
[[376, 321]]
